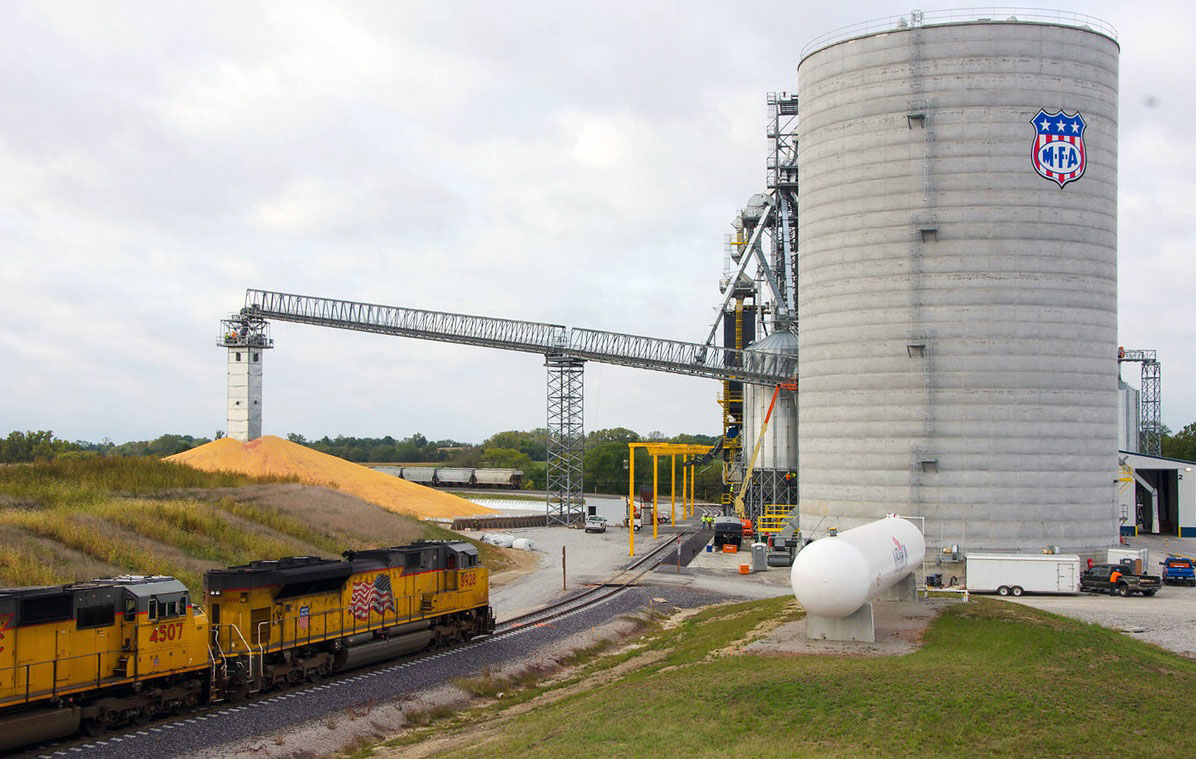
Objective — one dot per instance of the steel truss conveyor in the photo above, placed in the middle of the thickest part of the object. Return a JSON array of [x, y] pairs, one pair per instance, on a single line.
[[566, 351]]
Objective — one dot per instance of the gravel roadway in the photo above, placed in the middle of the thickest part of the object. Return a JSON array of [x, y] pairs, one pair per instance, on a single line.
[[228, 731], [1168, 619]]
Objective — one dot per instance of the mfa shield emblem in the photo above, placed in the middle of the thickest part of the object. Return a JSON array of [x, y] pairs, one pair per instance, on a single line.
[[1058, 153]]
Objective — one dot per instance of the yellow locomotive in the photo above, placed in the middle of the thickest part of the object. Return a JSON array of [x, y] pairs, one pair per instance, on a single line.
[[301, 617], [95, 654]]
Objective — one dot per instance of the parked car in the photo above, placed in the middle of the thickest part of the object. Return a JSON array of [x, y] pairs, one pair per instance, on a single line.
[[1119, 579], [595, 523], [1178, 570]]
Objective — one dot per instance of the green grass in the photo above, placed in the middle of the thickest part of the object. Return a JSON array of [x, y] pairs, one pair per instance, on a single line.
[[70, 481], [992, 679]]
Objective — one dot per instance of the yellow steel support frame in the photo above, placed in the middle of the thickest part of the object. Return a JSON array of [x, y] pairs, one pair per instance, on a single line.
[[684, 493], [655, 450], [731, 446], [655, 490], [631, 499], [673, 495]]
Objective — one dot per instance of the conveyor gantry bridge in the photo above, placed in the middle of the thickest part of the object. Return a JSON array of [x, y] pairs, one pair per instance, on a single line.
[[565, 350]]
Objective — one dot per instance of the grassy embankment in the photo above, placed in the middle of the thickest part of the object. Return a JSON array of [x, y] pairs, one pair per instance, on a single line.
[[72, 520], [992, 679]]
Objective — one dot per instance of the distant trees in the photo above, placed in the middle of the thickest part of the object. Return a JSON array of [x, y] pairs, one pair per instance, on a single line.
[[1181, 445], [532, 443], [166, 445], [412, 449], [21, 447], [605, 465]]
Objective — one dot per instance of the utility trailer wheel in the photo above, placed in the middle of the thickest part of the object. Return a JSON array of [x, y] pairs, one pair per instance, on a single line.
[[1017, 590], [1003, 591]]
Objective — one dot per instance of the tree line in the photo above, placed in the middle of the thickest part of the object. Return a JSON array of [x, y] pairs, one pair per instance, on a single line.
[[605, 460]]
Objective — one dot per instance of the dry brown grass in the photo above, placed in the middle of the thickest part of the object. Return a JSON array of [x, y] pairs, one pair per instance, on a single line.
[[61, 524]]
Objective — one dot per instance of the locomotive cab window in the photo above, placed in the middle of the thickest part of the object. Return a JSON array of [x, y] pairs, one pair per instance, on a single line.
[[411, 560], [130, 609], [153, 608]]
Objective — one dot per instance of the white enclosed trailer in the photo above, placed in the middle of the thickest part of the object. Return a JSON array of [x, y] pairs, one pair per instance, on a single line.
[[1014, 574], [1116, 555]]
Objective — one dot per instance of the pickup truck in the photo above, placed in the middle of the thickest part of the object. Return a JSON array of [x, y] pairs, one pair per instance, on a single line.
[[728, 530], [1178, 570], [595, 523], [1119, 579]]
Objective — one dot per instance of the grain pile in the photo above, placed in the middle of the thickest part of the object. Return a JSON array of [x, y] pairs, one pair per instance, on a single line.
[[271, 455]]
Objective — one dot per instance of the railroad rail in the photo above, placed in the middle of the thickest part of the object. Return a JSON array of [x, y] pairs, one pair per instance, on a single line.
[[591, 596]]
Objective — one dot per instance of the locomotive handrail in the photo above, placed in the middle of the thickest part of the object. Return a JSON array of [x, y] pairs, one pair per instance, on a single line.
[[57, 688], [261, 650], [248, 649]]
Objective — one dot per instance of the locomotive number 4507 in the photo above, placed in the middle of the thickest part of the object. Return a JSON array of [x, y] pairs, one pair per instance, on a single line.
[[166, 632]]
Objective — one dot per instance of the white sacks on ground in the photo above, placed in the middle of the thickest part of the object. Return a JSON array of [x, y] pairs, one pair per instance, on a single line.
[[836, 575], [523, 544], [499, 539]]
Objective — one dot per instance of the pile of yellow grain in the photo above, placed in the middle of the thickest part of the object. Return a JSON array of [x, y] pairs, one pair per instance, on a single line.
[[271, 455]]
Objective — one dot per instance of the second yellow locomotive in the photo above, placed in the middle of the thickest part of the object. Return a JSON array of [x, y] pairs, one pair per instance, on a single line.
[[302, 617]]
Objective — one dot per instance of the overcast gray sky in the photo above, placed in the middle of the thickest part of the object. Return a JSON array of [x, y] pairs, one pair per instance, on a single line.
[[577, 163]]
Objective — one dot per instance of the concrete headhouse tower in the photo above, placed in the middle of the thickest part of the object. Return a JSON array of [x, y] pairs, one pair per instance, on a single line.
[[957, 279], [246, 338]]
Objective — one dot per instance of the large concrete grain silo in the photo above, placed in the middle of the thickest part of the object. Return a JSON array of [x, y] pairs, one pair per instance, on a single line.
[[957, 272]]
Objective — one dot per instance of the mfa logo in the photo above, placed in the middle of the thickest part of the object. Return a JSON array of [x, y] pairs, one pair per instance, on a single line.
[[899, 553], [1058, 153]]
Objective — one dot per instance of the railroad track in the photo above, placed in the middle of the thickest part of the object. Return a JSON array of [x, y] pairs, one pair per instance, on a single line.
[[592, 596]]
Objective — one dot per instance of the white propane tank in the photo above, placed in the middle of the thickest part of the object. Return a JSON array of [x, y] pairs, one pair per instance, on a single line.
[[835, 576], [523, 544], [498, 539]]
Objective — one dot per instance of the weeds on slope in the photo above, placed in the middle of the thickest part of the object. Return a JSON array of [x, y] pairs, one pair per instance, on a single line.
[[61, 482]]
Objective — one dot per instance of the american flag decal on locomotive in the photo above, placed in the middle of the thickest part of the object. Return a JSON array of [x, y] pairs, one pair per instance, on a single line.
[[372, 596], [1058, 153]]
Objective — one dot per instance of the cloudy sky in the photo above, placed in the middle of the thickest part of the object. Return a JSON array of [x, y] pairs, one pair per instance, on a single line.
[[577, 163]]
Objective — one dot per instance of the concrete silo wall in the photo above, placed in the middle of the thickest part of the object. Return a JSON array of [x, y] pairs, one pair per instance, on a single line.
[[957, 310]]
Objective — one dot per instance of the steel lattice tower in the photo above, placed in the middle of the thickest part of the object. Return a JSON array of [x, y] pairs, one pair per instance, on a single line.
[[566, 439], [1150, 437], [1150, 403]]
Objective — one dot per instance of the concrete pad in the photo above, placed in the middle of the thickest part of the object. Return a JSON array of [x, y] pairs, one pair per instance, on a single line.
[[898, 628]]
